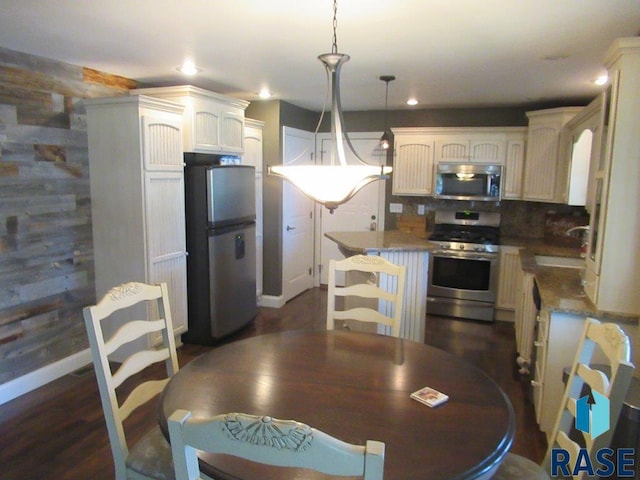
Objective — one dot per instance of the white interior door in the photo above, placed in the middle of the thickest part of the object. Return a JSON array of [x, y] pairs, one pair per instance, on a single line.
[[365, 211], [297, 218]]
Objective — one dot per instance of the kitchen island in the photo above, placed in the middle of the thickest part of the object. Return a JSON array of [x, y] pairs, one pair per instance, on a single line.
[[402, 248]]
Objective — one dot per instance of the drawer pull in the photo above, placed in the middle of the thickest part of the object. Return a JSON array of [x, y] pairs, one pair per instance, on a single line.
[[535, 383], [539, 344]]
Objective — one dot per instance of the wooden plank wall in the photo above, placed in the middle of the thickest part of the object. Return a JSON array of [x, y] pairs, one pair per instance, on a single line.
[[46, 252]]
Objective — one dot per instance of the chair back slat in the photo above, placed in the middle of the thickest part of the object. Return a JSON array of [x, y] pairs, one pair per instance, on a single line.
[[138, 362], [365, 290], [596, 379], [132, 331], [364, 315], [140, 395], [384, 283], [269, 441]]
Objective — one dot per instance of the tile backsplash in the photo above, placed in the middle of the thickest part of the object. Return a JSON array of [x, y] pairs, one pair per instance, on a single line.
[[518, 218]]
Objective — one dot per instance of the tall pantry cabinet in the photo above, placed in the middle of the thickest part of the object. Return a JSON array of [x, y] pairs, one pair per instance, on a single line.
[[137, 196], [611, 278], [253, 156]]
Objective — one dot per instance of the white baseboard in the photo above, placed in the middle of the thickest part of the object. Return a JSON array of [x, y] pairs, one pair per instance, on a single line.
[[32, 380], [272, 301]]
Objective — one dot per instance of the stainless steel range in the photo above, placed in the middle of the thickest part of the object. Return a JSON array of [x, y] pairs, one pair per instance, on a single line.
[[463, 270]]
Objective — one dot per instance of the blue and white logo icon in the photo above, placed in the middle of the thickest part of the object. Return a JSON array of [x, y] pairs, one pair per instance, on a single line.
[[592, 414]]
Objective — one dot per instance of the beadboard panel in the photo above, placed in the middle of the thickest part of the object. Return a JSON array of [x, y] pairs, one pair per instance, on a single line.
[[46, 246], [413, 177]]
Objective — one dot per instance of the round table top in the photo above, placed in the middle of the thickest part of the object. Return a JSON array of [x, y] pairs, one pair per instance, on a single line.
[[355, 387]]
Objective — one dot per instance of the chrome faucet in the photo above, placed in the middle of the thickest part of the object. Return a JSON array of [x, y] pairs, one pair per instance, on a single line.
[[584, 229]]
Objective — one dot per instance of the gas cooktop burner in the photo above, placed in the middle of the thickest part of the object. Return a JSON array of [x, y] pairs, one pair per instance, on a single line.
[[452, 233], [471, 231]]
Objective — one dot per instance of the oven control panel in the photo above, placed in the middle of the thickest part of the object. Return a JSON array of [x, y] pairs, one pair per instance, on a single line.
[[468, 247]]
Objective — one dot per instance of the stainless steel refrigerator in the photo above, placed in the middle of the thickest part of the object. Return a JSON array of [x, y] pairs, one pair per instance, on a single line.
[[221, 261]]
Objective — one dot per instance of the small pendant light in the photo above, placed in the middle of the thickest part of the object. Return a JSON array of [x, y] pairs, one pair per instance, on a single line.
[[384, 140]]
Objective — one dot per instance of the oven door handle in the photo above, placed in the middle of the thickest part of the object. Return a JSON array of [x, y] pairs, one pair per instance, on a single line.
[[463, 256]]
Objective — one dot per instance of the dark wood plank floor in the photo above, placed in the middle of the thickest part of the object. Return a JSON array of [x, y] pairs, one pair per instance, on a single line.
[[58, 431]]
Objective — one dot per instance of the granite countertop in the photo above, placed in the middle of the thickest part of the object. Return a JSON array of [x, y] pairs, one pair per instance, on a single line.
[[374, 242], [560, 288]]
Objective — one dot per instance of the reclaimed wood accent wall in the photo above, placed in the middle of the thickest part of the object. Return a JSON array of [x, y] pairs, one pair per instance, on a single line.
[[46, 252]]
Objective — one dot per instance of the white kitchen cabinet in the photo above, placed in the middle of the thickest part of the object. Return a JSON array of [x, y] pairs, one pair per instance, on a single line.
[[418, 149], [584, 143], [514, 165], [471, 148], [546, 164], [611, 276], [526, 316], [509, 278], [412, 162], [213, 123], [137, 196], [253, 156]]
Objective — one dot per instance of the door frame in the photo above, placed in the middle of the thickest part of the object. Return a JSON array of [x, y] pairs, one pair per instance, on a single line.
[[319, 208], [286, 294]]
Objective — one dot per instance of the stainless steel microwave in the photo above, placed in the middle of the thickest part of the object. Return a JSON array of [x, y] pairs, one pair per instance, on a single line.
[[465, 181]]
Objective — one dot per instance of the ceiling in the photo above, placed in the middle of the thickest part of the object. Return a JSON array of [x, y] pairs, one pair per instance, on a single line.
[[445, 53]]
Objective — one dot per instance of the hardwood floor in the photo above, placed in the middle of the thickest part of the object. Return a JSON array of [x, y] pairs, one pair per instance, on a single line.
[[58, 431]]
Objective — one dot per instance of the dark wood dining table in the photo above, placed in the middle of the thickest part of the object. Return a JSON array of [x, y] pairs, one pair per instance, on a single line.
[[356, 387]]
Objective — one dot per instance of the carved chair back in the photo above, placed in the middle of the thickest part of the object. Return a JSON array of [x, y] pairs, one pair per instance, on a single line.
[[151, 458], [270, 441]]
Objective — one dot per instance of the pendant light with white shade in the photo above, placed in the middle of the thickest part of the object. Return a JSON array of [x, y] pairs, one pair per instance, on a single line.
[[334, 184]]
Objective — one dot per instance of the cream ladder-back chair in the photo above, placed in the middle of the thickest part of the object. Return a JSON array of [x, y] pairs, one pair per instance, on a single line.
[[267, 440], [615, 345], [389, 298], [151, 456]]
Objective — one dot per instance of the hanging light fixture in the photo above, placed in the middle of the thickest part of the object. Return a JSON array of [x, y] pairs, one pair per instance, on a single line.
[[334, 184], [384, 140]]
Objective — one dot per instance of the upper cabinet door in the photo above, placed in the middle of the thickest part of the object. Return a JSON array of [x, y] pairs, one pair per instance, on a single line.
[[487, 150], [413, 165], [471, 147], [513, 167], [546, 164], [232, 132], [162, 143], [205, 134], [453, 149]]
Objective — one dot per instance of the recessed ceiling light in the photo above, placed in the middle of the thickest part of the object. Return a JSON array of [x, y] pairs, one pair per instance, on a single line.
[[189, 68], [412, 102], [264, 94], [602, 79]]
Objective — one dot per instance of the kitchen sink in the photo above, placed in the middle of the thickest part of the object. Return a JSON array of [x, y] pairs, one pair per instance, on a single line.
[[562, 262]]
